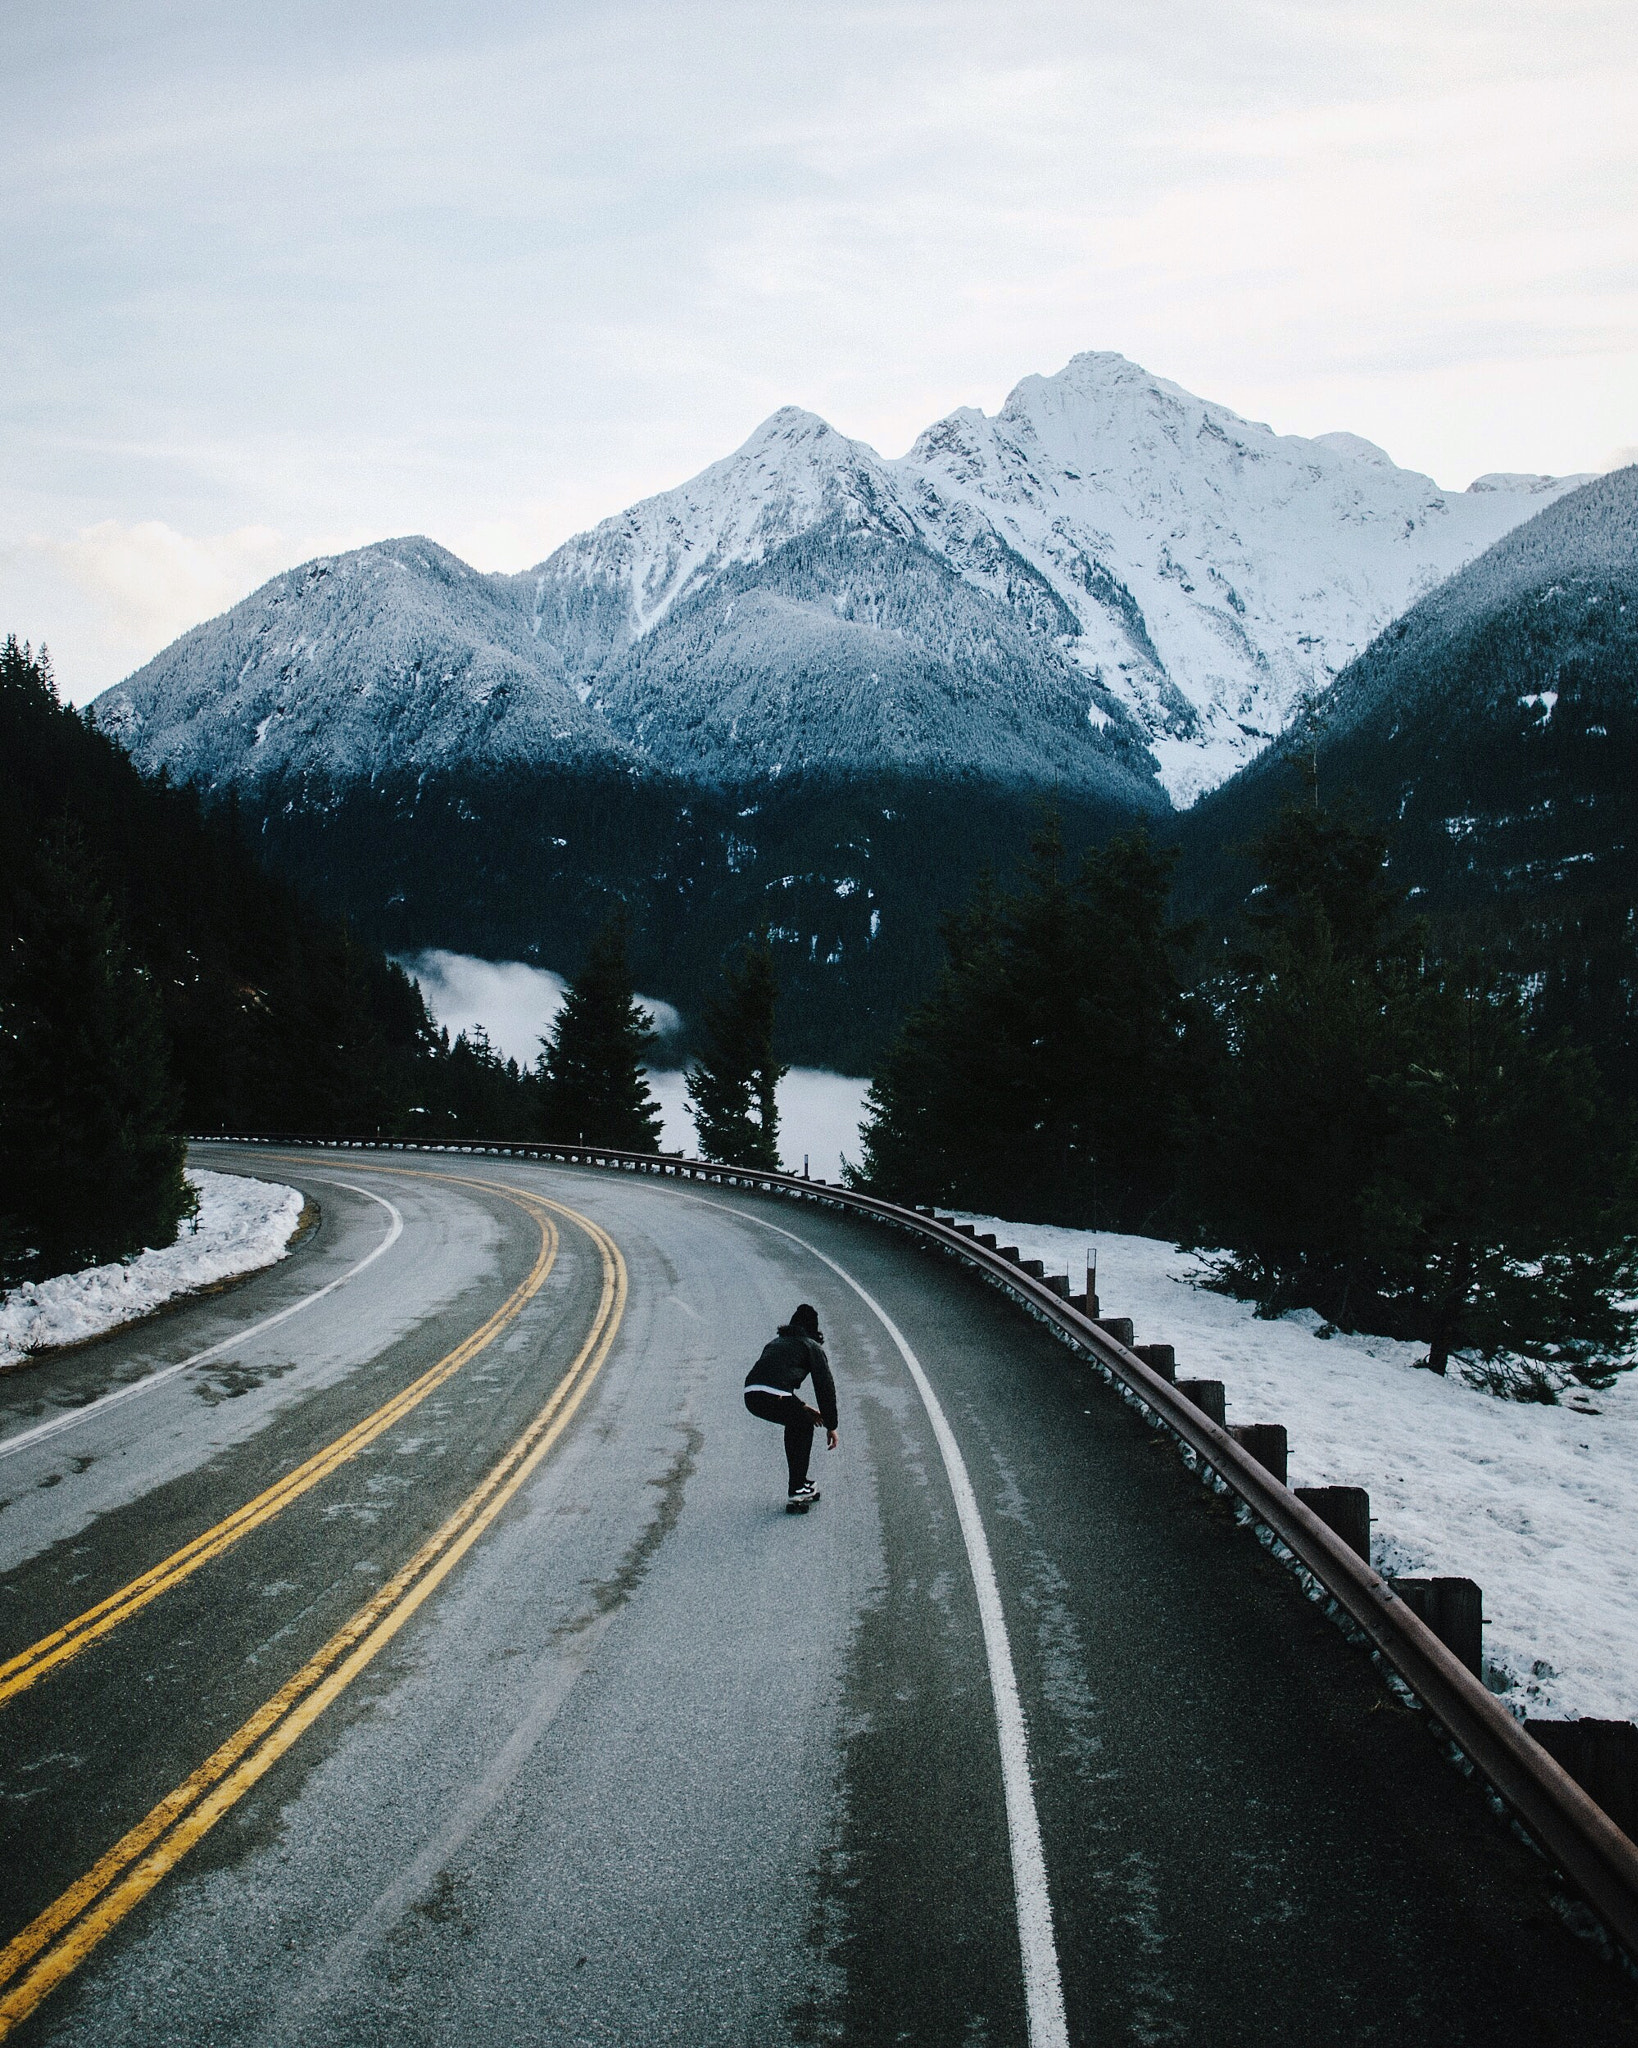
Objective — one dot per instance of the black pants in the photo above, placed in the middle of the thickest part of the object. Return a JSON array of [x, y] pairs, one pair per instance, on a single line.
[[797, 1417]]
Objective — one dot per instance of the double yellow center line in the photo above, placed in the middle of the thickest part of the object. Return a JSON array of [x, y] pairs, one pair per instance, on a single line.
[[18, 1673], [54, 1944]]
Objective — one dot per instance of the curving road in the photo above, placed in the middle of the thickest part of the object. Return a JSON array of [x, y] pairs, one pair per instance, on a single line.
[[409, 1645]]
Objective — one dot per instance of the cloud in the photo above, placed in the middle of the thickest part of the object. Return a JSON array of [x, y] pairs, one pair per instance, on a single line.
[[154, 582], [110, 596], [513, 1002], [819, 1112]]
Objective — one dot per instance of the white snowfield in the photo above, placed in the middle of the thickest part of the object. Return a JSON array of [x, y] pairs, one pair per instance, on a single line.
[[1537, 1504], [242, 1225]]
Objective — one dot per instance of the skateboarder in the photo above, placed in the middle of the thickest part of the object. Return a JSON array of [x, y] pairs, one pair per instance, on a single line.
[[770, 1393]]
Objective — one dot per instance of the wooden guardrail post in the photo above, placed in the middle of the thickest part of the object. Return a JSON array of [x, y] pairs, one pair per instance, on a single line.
[[1346, 1510], [1602, 1757], [1454, 1610], [1160, 1358], [1264, 1441], [1207, 1396]]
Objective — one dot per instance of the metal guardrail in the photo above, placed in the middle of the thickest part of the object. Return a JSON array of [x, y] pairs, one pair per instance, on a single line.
[[1570, 1829]]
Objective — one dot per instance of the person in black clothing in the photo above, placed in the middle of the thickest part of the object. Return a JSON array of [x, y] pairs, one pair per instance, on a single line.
[[770, 1393]]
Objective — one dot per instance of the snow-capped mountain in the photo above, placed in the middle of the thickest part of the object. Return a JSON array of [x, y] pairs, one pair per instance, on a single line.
[[1216, 571], [393, 657], [1495, 724], [1109, 586]]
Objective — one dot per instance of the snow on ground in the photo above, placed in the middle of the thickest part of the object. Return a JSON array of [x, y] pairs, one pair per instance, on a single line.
[[1538, 1504], [242, 1225]]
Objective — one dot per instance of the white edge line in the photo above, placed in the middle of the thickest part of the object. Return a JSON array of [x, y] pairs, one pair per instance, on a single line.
[[1043, 1987], [104, 1402]]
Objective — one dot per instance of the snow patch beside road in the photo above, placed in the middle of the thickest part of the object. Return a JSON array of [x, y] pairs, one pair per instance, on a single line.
[[242, 1225], [1536, 1503]]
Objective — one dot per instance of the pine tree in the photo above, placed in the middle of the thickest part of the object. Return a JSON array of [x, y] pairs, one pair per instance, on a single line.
[[592, 1065], [1048, 1076], [733, 1084], [1396, 1144], [91, 1170], [273, 1017], [1497, 1216]]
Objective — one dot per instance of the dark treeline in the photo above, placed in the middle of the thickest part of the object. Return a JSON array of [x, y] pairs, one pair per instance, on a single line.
[[847, 874], [1365, 1121], [154, 980], [1055, 1072]]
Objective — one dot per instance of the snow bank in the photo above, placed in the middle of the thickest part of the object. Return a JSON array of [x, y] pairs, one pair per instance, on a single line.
[[1538, 1504], [242, 1225]]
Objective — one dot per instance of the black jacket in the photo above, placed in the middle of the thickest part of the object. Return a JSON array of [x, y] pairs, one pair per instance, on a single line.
[[787, 1361]]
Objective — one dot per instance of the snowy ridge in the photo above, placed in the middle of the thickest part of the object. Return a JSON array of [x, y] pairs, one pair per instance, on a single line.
[[1216, 570], [794, 473], [1108, 577], [395, 656]]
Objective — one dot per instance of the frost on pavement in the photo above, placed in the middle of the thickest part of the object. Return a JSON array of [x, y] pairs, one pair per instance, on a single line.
[[242, 1225], [1536, 1503]]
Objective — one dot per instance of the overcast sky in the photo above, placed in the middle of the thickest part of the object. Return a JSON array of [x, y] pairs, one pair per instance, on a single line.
[[288, 277]]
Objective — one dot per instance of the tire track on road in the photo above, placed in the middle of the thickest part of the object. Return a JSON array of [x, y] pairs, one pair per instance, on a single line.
[[58, 1423]]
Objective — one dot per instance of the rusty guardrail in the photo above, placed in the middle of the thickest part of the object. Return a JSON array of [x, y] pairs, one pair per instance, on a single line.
[[1569, 1827]]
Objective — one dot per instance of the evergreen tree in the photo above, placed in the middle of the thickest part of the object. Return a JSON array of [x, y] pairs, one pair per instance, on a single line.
[[733, 1084], [1049, 1075], [592, 1065], [479, 1092], [273, 1018], [1496, 1215], [91, 1170], [1396, 1144]]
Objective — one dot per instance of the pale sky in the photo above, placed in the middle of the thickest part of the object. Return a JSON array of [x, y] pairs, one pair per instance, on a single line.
[[289, 277]]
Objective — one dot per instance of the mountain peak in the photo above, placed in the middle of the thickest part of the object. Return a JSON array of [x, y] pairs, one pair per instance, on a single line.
[[793, 425], [1190, 573], [1357, 448]]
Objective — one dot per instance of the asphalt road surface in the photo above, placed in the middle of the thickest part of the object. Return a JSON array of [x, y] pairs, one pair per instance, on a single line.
[[433, 1662]]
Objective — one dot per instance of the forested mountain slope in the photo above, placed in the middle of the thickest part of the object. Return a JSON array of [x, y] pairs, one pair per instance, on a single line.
[[810, 690], [271, 1015], [1495, 729], [396, 656]]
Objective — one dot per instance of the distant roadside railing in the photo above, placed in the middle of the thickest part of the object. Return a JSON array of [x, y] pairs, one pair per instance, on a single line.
[[1575, 1833]]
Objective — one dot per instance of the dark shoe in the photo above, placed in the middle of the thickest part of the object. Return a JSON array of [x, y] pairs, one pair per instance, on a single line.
[[802, 1499]]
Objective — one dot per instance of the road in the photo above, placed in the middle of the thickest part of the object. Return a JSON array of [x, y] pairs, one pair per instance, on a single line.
[[434, 1662]]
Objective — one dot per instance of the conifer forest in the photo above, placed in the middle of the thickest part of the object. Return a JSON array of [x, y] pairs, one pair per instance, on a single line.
[[1360, 1107]]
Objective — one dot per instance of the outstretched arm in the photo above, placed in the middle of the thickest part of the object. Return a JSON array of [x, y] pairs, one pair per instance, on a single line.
[[824, 1388]]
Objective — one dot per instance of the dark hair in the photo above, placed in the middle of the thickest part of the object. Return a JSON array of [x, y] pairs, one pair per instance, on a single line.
[[805, 1317]]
